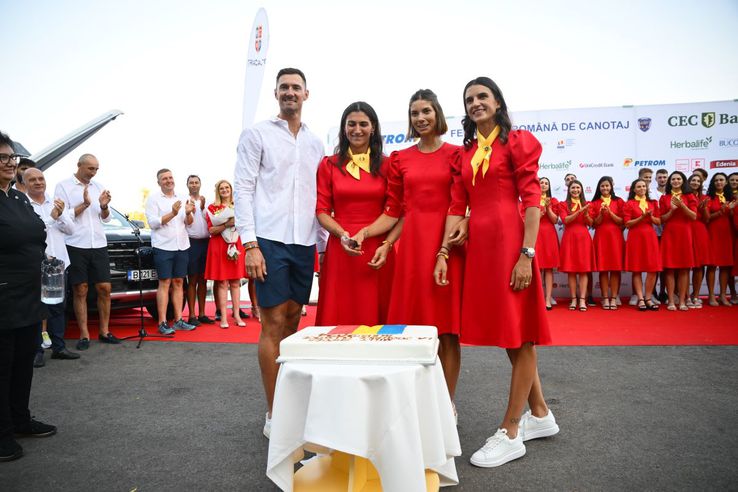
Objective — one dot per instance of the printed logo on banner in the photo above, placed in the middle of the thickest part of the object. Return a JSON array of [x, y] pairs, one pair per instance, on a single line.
[[688, 165], [708, 119], [682, 165], [729, 142], [588, 190], [697, 163], [644, 124], [596, 164], [627, 162], [556, 166], [723, 163], [644, 163], [700, 143], [564, 143]]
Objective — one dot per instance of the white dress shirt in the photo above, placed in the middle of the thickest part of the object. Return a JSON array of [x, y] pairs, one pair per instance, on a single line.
[[171, 236], [199, 227], [56, 230], [88, 229], [275, 183]]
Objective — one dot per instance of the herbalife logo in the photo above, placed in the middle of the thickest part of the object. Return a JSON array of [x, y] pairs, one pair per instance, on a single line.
[[701, 143]]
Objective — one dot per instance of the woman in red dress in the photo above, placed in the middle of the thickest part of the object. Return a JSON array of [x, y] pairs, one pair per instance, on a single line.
[[225, 262], [700, 241], [547, 243], [678, 207], [606, 211], [640, 214], [418, 197], [733, 183], [577, 251], [351, 192], [502, 298], [720, 207]]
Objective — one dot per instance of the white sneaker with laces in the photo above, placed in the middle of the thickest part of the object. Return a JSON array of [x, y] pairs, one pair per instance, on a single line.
[[532, 427], [498, 450], [46, 343], [267, 425]]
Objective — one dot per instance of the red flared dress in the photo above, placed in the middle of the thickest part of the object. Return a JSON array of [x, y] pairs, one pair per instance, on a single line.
[[642, 247], [419, 186], [577, 251], [677, 250], [547, 242], [700, 237], [218, 265], [492, 312], [351, 292], [735, 242], [721, 235], [609, 245]]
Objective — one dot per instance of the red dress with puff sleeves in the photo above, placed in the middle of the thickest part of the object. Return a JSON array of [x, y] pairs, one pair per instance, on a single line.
[[700, 236], [351, 292], [217, 265], [577, 251], [547, 242], [677, 250], [721, 235], [419, 188], [492, 312], [642, 247], [608, 242]]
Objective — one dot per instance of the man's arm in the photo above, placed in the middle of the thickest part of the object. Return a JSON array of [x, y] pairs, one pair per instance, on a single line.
[[248, 162]]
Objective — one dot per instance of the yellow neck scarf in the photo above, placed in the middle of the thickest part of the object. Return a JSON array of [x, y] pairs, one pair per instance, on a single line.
[[543, 200], [576, 204], [676, 193], [358, 161], [483, 153], [721, 197], [606, 200], [642, 202]]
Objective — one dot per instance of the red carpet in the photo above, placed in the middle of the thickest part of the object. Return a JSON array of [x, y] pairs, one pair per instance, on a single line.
[[626, 326]]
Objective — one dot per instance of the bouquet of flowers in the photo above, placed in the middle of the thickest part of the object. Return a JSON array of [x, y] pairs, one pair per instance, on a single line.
[[229, 234]]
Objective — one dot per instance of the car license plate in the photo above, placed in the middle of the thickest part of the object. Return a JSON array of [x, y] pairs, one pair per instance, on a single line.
[[144, 274]]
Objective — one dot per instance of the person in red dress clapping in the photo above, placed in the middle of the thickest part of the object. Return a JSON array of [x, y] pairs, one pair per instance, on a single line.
[[502, 299], [418, 196], [700, 241], [719, 211], [577, 251], [225, 261], [606, 211], [640, 214], [733, 183], [678, 207], [352, 185], [547, 244]]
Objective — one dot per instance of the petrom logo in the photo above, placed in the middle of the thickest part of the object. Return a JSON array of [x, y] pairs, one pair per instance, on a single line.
[[708, 119]]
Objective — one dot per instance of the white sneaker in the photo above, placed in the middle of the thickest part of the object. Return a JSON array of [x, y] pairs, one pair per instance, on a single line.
[[46, 343], [633, 300], [532, 427], [267, 425], [498, 450]]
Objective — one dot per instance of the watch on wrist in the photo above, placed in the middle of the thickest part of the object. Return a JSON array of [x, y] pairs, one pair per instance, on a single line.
[[529, 252]]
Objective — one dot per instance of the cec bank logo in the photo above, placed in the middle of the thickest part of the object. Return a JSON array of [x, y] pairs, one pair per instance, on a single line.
[[708, 119]]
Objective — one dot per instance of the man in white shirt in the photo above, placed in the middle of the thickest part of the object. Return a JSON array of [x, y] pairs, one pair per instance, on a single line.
[[662, 176], [59, 222], [87, 246], [168, 215], [199, 239], [275, 194]]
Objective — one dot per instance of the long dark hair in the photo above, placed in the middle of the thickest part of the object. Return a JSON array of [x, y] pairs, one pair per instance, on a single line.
[[582, 198], [441, 126], [632, 193], [702, 182], [548, 193], [502, 119], [727, 191], [598, 195], [686, 190], [375, 140]]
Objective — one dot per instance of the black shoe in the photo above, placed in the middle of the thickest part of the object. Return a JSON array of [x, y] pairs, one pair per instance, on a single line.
[[591, 301], [10, 450], [663, 297], [243, 314], [38, 361], [193, 321], [83, 344], [34, 428], [109, 338], [206, 320], [64, 354], [217, 315]]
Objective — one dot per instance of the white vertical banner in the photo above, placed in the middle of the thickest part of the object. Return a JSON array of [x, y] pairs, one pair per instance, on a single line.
[[255, 65]]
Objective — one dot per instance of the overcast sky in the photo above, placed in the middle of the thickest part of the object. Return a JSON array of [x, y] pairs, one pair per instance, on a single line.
[[176, 68]]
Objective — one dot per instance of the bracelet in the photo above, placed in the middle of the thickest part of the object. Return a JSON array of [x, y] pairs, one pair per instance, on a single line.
[[446, 248], [250, 245], [442, 254], [103, 208], [387, 241]]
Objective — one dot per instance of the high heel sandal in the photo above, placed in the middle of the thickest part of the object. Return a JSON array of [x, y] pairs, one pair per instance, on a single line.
[[606, 303], [613, 304], [573, 304], [642, 304], [651, 306], [582, 304]]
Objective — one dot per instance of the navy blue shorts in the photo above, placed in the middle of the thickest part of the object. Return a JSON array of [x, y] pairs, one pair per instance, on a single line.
[[198, 254], [289, 273], [88, 265], [170, 264]]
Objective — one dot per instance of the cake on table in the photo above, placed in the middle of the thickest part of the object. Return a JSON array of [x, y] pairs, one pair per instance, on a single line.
[[362, 343]]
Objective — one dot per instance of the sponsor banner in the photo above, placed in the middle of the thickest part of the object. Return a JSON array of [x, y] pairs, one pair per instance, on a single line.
[[255, 65]]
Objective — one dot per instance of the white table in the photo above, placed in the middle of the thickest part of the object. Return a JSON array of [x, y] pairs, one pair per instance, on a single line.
[[399, 417]]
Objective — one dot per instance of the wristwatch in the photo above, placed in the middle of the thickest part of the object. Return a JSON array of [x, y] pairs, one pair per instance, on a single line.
[[529, 252]]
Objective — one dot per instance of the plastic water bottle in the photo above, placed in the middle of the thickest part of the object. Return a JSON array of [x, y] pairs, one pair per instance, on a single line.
[[52, 281]]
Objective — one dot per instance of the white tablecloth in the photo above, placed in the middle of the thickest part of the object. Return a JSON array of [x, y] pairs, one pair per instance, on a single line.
[[397, 416]]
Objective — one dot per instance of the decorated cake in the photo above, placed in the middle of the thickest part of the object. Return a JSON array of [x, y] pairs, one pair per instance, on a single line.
[[362, 343]]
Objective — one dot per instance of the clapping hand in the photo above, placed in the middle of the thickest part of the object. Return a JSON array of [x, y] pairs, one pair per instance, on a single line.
[[58, 208], [86, 196], [104, 198], [176, 206], [189, 207], [202, 203]]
